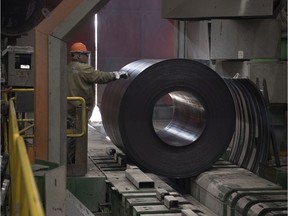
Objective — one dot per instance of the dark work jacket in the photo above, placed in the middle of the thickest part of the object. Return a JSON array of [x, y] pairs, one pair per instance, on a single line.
[[81, 83]]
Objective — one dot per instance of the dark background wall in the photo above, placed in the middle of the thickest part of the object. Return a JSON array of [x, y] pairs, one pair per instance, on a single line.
[[86, 35], [128, 30]]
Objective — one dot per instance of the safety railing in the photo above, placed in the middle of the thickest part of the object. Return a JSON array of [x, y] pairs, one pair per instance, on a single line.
[[69, 133], [83, 113], [25, 199]]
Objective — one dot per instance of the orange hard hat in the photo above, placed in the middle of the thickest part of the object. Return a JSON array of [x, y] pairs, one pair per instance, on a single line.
[[78, 47]]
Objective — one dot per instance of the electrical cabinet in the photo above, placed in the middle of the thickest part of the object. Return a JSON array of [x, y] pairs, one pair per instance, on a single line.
[[18, 66]]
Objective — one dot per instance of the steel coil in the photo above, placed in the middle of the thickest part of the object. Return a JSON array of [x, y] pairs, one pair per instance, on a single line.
[[251, 141], [201, 127]]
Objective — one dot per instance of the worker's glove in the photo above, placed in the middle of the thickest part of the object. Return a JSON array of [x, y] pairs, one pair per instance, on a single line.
[[121, 74]]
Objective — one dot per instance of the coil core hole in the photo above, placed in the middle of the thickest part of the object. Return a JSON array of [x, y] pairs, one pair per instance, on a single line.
[[179, 118]]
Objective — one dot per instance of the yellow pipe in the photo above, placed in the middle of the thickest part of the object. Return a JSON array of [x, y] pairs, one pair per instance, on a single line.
[[23, 186], [26, 128], [25, 120], [35, 206], [83, 111], [22, 90], [27, 136]]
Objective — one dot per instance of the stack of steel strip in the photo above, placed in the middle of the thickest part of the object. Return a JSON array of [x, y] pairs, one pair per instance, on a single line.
[[202, 125], [251, 141], [204, 120]]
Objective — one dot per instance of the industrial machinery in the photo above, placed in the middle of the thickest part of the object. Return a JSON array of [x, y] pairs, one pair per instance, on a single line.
[[203, 133], [18, 65]]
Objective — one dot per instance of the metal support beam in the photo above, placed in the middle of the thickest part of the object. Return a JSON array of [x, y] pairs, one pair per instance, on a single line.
[[206, 9], [59, 24], [75, 207], [57, 100]]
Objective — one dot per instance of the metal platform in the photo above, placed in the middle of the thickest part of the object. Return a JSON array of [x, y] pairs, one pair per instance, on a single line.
[[225, 189], [133, 192]]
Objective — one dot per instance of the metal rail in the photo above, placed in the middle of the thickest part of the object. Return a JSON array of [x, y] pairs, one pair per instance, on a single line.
[[74, 135], [25, 199], [83, 122]]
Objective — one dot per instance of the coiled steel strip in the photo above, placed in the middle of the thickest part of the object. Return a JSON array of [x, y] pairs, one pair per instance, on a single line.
[[251, 141], [200, 130]]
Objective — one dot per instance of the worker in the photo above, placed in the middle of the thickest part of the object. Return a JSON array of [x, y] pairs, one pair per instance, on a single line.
[[81, 83], [82, 77]]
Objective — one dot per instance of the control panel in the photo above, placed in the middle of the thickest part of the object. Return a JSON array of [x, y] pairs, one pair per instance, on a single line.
[[18, 66]]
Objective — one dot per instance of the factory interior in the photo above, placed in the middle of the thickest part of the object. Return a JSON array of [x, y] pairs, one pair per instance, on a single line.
[[196, 127]]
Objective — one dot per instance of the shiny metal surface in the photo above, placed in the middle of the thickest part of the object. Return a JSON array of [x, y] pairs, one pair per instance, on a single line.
[[202, 124], [188, 117], [208, 113], [251, 142]]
